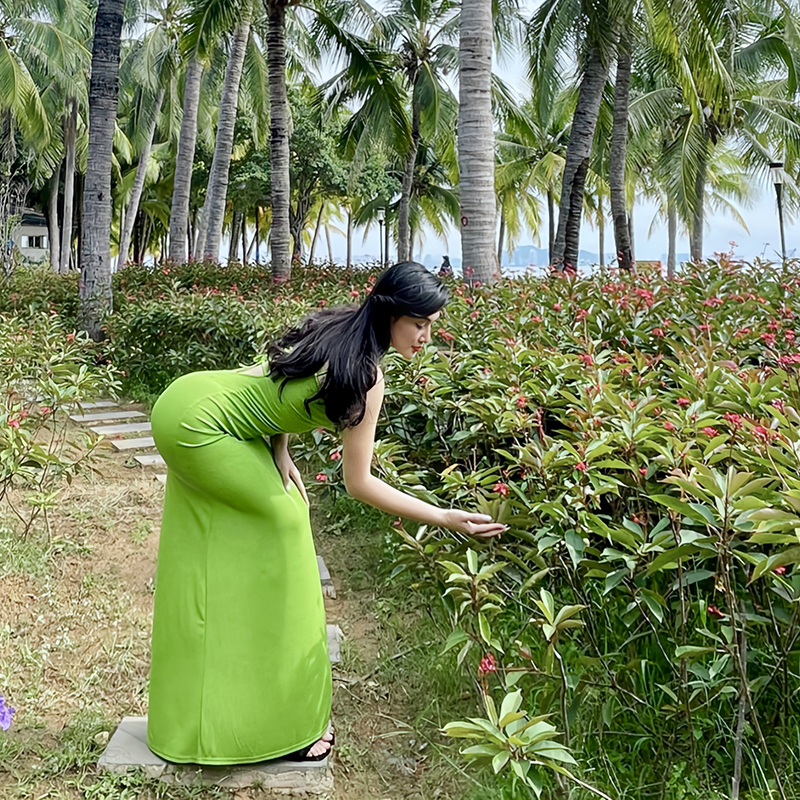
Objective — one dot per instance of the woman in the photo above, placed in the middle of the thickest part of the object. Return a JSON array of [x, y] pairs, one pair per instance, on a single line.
[[240, 670]]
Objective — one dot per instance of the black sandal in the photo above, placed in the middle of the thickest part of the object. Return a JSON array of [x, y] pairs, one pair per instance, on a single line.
[[301, 755]]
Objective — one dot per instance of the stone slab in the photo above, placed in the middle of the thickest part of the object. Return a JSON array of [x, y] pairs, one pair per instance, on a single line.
[[161, 478], [325, 577], [97, 404], [126, 427], [133, 444], [151, 460], [335, 636], [127, 750], [105, 415]]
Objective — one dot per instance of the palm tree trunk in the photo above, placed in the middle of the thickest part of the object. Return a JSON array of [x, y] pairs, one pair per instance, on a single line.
[[579, 150], [138, 183], [95, 287], [476, 142], [601, 235], [280, 236], [403, 208], [630, 235], [551, 224], [386, 238], [184, 159], [70, 136], [350, 239], [316, 234], [216, 193], [52, 218], [244, 237], [330, 249], [234, 236], [698, 217], [618, 152], [257, 237], [672, 231], [500, 238]]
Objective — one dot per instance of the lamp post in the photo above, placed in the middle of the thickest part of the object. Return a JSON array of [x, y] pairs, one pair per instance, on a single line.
[[776, 171], [380, 226]]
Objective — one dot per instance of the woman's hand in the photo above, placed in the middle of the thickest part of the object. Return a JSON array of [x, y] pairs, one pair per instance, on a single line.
[[480, 526], [289, 471]]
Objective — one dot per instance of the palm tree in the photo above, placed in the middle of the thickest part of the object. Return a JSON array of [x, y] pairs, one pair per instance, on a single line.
[[95, 262], [476, 142], [586, 28]]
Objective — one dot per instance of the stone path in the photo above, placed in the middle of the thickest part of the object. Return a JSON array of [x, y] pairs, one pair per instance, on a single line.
[[127, 748]]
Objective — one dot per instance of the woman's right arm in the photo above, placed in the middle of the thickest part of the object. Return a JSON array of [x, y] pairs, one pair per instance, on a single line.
[[357, 449]]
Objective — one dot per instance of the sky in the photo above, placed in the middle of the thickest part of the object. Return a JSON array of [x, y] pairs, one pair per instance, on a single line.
[[761, 238]]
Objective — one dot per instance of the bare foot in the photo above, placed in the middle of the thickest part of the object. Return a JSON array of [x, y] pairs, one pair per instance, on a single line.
[[323, 745]]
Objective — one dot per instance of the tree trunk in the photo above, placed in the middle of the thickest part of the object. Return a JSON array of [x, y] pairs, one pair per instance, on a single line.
[[70, 136], [698, 217], [330, 249], [280, 244], [138, 183], [672, 230], [232, 246], [631, 237], [403, 208], [551, 224], [95, 262], [500, 238], [476, 142], [184, 159], [257, 238], [217, 191], [386, 239], [244, 237], [601, 235], [350, 240], [316, 234], [189, 238], [618, 152], [579, 150], [52, 219]]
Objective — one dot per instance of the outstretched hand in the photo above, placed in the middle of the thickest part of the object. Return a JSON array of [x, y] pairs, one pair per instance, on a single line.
[[289, 472], [480, 526]]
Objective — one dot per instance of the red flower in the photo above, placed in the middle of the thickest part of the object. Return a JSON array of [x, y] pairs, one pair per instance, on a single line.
[[659, 332], [500, 488], [704, 328], [709, 431], [70, 337], [488, 664], [13, 423], [769, 338], [475, 314], [537, 318], [683, 401], [422, 380], [765, 434], [586, 359], [353, 293], [556, 306], [397, 523], [735, 420], [322, 303], [321, 477], [778, 403], [582, 313], [336, 455], [643, 470], [448, 337], [581, 466], [522, 401], [715, 612], [669, 425], [45, 410], [780, 570]]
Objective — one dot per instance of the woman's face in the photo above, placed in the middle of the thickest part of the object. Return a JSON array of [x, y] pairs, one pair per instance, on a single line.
[[409, 334]]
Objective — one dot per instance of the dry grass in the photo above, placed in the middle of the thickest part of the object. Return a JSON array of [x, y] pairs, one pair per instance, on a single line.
[[75, 618]]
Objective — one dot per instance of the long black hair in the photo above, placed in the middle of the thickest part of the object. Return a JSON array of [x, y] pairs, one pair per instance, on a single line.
[[352, 339]]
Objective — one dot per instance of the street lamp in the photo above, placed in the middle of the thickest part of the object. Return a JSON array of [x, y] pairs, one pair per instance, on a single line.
[[776, 171], [380, 226]]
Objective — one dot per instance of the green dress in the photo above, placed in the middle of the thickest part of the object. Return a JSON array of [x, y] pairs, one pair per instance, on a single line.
[[240, 670]]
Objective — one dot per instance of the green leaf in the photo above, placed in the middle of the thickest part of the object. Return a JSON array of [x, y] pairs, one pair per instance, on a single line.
[[456, 638], [510, 705], [472, 561], [500, 760]]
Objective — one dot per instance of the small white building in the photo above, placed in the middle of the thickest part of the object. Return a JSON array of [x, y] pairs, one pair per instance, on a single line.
[[31, 236]]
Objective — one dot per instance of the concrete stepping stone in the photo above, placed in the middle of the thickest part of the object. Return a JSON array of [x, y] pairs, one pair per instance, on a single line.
[[128, 750], [126, 427], [161, 478], [150, 460], [97, 404], [325, 576], [103, 415], [133, 444], [335, 637]]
